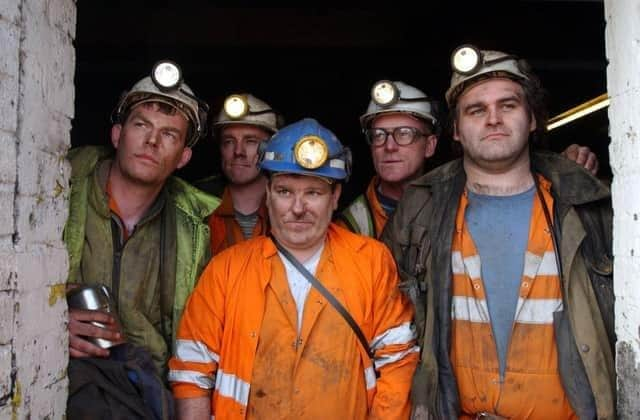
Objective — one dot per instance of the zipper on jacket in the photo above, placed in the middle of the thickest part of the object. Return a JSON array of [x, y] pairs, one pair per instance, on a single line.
[[117, 239]]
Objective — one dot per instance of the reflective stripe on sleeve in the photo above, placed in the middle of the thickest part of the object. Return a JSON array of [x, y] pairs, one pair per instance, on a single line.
[[195, 351], [230, 386], [401, 334], [191, 377], [394, 357]]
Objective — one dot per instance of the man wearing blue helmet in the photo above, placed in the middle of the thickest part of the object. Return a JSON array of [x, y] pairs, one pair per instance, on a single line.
[[305, 323]]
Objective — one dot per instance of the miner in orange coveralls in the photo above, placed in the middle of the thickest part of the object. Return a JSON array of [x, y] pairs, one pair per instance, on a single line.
[[258, 340], [241, 125]]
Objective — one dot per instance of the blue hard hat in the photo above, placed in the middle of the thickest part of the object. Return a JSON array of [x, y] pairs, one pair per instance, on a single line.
[[307, 148]]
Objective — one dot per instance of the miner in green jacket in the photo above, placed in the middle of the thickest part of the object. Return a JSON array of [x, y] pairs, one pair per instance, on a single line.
[[132, 225]]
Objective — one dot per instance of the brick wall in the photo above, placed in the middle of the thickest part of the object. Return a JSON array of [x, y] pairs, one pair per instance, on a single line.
[[36, 108]]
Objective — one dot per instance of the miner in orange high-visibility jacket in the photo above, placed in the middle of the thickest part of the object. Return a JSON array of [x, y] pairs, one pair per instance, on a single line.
[[243, 123], [257, 341]]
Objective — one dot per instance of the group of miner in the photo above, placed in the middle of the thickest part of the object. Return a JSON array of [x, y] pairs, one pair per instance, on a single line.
[[481, 289]]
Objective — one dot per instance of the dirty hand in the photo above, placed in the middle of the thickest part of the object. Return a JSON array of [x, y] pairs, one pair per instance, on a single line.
[[80, 326], [583, 156]]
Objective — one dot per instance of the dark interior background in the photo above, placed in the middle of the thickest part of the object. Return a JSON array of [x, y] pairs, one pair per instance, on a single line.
[[321, 60]]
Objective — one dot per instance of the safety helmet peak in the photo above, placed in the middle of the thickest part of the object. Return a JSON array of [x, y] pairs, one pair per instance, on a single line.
[[306, 147], [244, 108], [470, 64], [389, 97], [173, 92]]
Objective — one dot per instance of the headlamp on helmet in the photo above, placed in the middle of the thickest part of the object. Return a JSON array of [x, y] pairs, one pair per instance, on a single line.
[[166, 75], [470, 64], [398, 97], [244, 108], [311, 152], [165, 85], [306, 148], [385, 93], [466, 59], [236, 106]]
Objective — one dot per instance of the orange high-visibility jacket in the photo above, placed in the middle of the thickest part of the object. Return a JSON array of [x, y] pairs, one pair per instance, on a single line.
[[225, 230], [531, 387], [219, 335]]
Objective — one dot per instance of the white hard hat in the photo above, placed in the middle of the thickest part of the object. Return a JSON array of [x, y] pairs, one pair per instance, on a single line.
[[178, 95], [393, 97], [469, 63], [244, 108]]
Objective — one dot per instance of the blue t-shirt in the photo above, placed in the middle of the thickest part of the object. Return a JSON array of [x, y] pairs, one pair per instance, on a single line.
[[499, 226]]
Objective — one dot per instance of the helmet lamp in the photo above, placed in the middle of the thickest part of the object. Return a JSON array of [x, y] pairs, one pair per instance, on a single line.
[[311, 152], [385, 93], [166, 75], [236, 106], [466, 59]]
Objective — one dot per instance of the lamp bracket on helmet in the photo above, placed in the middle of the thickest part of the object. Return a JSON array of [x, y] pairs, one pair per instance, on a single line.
[[468, 59], [385, 94], [167, 76], [237, 106]]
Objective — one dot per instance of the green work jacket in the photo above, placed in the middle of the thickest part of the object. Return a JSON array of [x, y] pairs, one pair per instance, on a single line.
[[185, 208]]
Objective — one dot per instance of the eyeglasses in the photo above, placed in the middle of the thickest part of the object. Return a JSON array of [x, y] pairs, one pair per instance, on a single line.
[[403, 136]]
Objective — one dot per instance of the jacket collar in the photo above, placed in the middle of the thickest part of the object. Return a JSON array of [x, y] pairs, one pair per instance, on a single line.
[[189, 199], [226, 206], [570, 182], [225, 209]]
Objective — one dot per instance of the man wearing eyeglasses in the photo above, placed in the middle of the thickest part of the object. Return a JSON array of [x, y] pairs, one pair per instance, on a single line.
[[401, 126]]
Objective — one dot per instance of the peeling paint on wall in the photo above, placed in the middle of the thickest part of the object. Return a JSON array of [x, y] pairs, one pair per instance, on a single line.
[[57, 291]]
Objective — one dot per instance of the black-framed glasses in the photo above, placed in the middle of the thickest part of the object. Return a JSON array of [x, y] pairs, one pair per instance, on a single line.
[[403, 136]]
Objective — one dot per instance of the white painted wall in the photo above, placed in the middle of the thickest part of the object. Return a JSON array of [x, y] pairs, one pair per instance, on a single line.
[[36, 107], [623, 84]]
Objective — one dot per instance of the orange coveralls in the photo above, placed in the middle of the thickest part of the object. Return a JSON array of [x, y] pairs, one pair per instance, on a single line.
[[238, 339]]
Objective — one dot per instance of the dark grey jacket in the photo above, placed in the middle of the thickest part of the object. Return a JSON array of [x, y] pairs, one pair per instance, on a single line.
[[420, 236]]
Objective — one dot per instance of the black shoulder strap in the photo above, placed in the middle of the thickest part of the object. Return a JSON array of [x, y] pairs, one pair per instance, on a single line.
[[330, 298]]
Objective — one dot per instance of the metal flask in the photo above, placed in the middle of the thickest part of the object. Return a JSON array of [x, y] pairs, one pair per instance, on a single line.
[[95, 298]]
